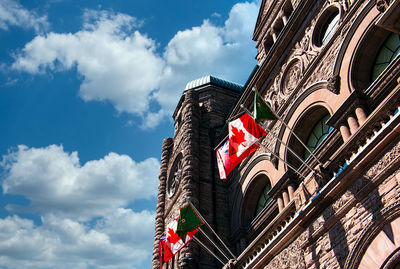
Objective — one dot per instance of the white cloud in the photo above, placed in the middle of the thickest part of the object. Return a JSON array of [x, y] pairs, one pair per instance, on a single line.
[[85, 219], [56, 183], [122, 239], [121, 65], [13, 14]]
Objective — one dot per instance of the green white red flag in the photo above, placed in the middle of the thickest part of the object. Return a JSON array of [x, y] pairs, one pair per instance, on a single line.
[[188, 221], [262, 111]]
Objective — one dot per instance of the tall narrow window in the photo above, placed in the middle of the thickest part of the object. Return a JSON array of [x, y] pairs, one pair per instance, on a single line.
[[263, 200], [317, 135], [386, 54]]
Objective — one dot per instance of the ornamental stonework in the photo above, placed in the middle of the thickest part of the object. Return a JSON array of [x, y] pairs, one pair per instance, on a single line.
[[292, 257]]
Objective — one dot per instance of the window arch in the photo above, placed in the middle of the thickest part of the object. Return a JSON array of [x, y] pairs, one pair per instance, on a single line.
[[326, 26], [372, 58], [255, 199], [312, 130]]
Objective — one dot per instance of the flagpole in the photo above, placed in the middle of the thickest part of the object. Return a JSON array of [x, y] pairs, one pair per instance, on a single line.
[[206, 248], [276, 155], [212, 242], [212, 230], [283, 143], [292, 132]]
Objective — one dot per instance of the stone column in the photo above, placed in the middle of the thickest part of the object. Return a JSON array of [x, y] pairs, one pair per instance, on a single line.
[[190, 169], [353, 124], [345, 132], [280, 204], [159, 224], [285, 198], [361, 116], [291, 192]]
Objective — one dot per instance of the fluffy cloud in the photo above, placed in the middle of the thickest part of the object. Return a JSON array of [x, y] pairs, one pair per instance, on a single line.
[[56, 183], [13, 14], [85, 218], [121, 65], [122, 239]]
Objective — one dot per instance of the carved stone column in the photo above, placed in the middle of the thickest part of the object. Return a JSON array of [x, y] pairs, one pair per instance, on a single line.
[[190, 168], [353, 124], [291, 192], [159, 225], [345, 132], [361, 116], [285, 198], [280, 204]]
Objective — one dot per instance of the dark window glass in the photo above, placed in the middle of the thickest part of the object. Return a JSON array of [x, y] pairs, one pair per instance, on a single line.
[[386, 54], [317, 135], [264, 199]]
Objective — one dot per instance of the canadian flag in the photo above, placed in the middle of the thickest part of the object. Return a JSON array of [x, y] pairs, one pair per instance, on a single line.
[[170, 243], [224, 163], [244, 132]]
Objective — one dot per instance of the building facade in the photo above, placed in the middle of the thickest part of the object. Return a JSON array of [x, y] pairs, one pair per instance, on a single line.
[[331, 71]]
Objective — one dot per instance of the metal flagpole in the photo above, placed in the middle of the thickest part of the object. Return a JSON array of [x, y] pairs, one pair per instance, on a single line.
[[283, 143], [294, 134], [209, 250], [276, 155], [212, 230], [212, 242]]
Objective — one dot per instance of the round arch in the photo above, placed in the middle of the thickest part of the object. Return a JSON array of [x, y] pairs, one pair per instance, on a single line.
[[379, 243], [259, 172], [303, 114]]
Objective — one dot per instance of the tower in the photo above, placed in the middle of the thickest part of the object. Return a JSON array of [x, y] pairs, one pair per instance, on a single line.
[[188, 166]]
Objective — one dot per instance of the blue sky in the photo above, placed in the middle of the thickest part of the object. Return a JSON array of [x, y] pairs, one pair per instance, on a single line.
[[87, 89]]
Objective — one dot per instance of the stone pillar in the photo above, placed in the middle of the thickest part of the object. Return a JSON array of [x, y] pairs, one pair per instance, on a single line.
[[280, 204], [190, 169], [285, 198], [291, 192], [345, 132], [284, 19], [353, 124], [361, 116], [159, 224], [274, 36]]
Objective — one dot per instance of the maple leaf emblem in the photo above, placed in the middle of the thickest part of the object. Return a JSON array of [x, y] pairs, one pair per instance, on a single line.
[[173, 236], [237, 138]]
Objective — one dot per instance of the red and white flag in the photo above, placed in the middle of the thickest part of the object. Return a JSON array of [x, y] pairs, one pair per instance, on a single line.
[[244, 132], [224, 163], [171, 243]]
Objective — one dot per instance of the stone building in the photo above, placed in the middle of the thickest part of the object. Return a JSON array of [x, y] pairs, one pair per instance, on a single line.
[[331, 71]]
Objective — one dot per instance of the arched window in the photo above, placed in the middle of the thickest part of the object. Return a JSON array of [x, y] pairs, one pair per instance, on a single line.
[[389, 50], [317, 135], [329, 27], [263, 199], [326, 26], [311, 128], [377, 50]]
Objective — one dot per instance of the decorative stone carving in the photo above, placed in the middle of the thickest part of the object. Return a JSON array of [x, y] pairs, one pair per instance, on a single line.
[[382, 5], [291, 257], [174, 178], [291, 76], [334, 84]]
